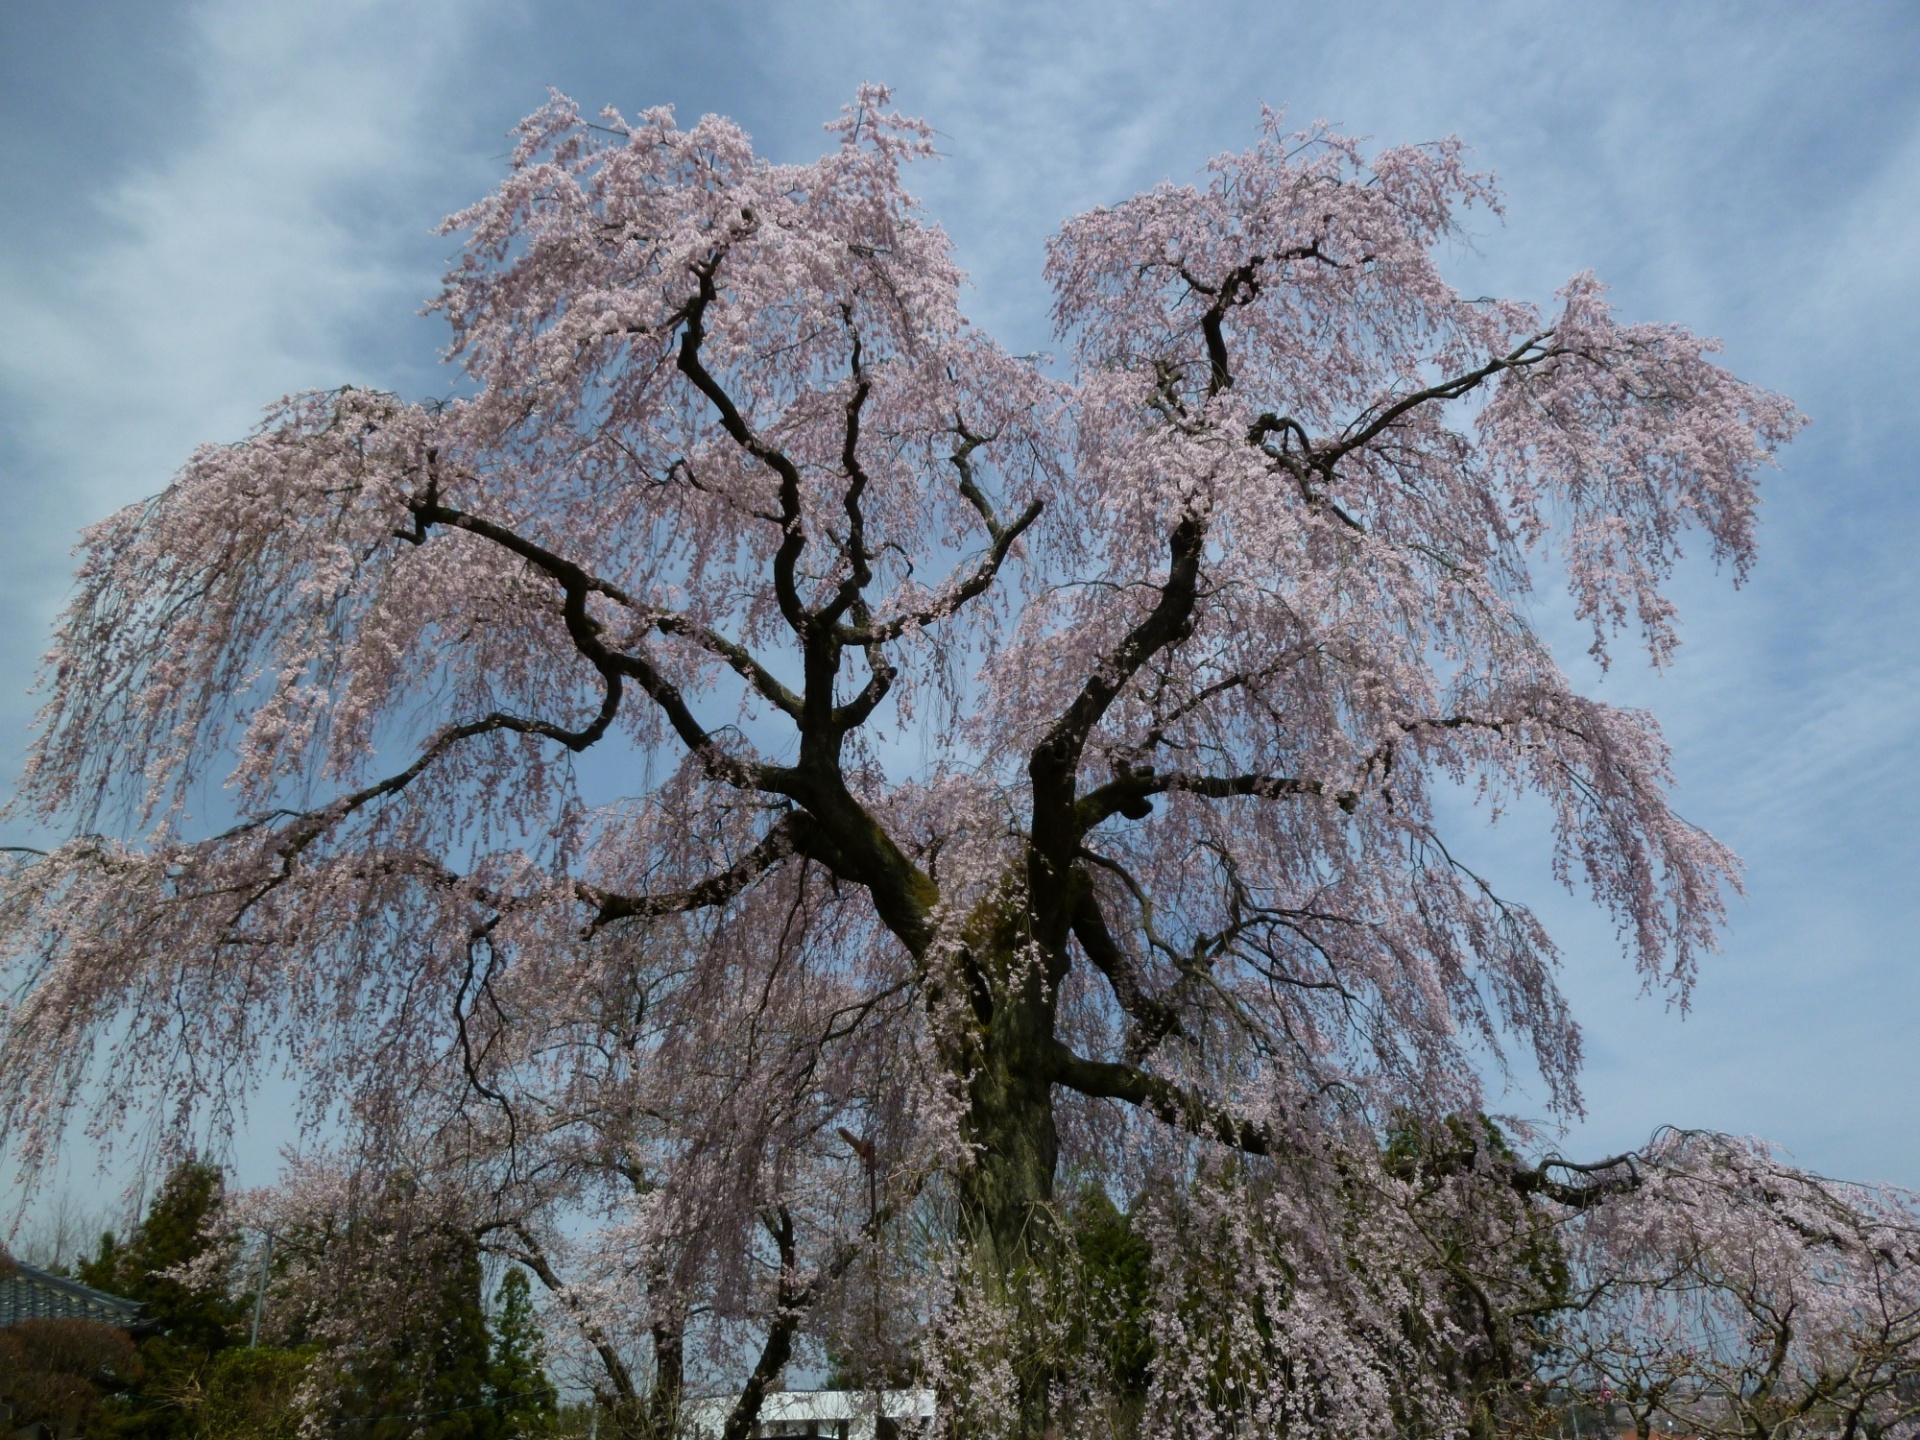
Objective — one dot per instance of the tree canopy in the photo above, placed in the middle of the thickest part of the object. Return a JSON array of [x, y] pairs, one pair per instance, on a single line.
[[743, 797]]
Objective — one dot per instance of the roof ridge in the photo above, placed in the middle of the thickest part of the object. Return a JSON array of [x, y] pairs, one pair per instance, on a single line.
[[82, 1301]]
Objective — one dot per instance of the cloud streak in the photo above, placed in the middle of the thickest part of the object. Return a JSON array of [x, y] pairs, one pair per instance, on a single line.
[[268, 249]]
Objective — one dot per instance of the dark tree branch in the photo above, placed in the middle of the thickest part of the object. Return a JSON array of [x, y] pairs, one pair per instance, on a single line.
[[576, 584], [1165, 1100], [1001, 536], [787, 557], [1055, 762], [1129, 791], [976, 584], [529, 1253], [873, 635], [859, 560], [1153, 1018], [1528, 353], [1241, 286], [609, 907], [429, 510], [1187, 1110], [792, 1301], [309, 826], [1597, 1182], [778, 1346]]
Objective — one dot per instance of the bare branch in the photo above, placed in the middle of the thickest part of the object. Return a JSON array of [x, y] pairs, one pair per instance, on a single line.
[[716, 890], [1002, 536], [787, 558], [1055, 762], [1127, 794], [1178, 1106], [1153, 1017]]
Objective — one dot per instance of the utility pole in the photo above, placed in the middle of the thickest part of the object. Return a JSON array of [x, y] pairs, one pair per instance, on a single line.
[[260, 1291]]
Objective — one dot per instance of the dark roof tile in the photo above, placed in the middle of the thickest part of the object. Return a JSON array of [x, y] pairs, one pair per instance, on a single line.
[[29, 1293]]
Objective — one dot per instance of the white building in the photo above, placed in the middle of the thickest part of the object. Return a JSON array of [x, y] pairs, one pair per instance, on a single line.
[[821, 1415]]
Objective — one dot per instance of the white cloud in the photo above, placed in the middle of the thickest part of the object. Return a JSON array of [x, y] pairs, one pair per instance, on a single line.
[[238, 264]]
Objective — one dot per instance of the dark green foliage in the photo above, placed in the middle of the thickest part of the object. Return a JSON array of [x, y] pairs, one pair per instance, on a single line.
[[251, 1394], [191, 1325], [174, 1232], [524, 1399], [455, 1374], [1116, 1267], [452, 1375], [431, 1384]]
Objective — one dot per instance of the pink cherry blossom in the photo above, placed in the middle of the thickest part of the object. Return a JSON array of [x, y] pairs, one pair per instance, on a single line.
[[729, 808]]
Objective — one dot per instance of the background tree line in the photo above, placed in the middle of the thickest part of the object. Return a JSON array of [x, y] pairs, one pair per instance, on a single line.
[[467, 1371], [1533, 1321]]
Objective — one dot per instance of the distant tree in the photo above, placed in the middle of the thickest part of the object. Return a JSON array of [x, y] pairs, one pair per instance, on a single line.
[[178, 1231], [431, 1383], [191, 1314], [407, 1358], [375, 1305], [63, 1233], [250, 1393], [522, 1393], [1731, 1297], [737, 801]]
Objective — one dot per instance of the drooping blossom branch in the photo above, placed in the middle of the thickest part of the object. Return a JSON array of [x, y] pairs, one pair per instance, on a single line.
[[760, 710]]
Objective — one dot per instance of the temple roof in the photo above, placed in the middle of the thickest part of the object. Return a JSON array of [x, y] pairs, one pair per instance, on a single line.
[[30, 1293]]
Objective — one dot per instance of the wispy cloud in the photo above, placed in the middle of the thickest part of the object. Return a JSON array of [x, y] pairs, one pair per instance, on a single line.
[[267, 250]]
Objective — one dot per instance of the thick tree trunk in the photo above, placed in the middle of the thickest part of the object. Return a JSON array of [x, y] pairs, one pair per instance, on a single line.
[[669, 1380], [1006, 1197]]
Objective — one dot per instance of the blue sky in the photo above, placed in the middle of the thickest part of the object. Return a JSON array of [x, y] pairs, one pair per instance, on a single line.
[[208, 204]]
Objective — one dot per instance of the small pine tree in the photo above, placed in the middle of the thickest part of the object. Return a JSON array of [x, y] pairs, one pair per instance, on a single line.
[[177, 1229], [523, 1397], [191, 1324], [429, 1382]]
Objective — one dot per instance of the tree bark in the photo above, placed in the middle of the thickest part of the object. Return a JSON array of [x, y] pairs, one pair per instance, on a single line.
[[669, 1380], [1008, 1223], [1007, 1195]]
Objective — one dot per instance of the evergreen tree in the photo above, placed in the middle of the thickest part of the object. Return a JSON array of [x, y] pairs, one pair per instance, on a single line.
[[432, 1384], [252, 1394], [523, 1397], [191, 1324], [176, 1230], [1116, 1273]]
